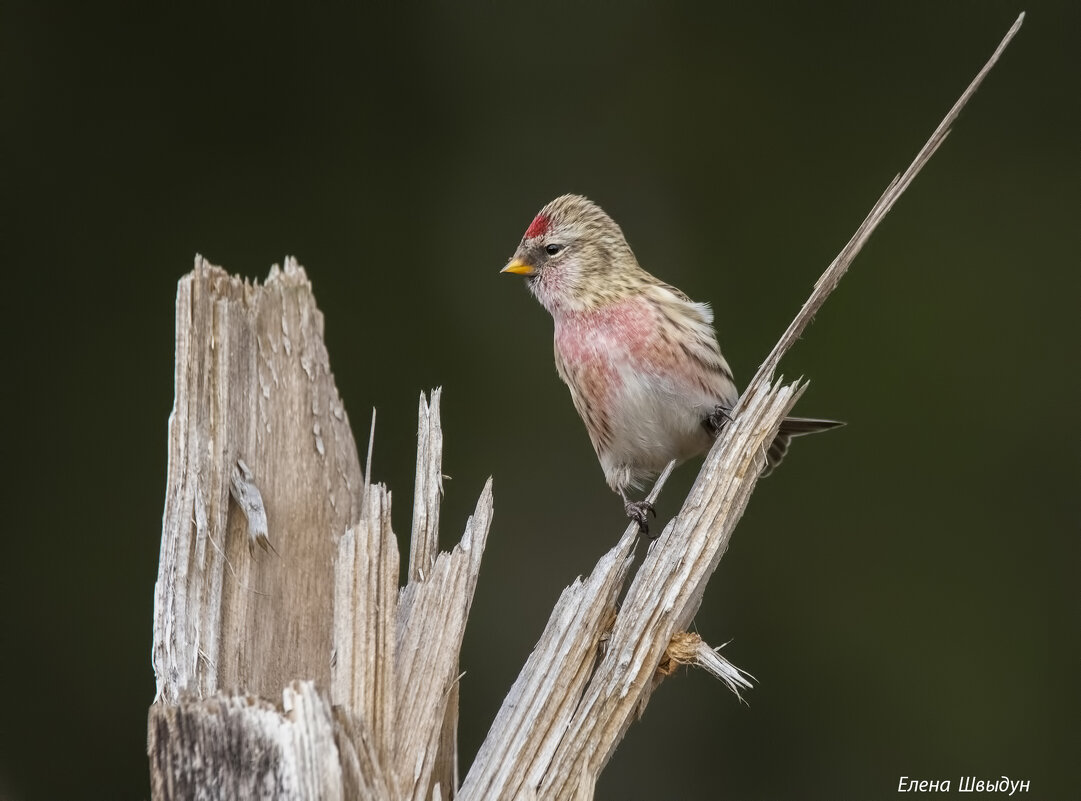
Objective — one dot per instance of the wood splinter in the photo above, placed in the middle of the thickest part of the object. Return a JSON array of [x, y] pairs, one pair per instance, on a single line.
[[250, 500], [688, 648]]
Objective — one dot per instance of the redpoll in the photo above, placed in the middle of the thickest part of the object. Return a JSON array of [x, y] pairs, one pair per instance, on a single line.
[[640, 358]]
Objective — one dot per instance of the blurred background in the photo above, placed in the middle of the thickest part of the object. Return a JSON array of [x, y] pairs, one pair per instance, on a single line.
[[904, 589]]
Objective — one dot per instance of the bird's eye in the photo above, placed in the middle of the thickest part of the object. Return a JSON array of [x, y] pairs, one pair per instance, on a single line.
[[552, 249]]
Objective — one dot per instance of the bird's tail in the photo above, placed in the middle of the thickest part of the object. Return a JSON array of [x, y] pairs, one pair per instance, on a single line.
[[794, 427]]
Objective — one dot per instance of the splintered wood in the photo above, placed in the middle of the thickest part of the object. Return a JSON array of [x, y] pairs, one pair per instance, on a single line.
[[261, 454], [260, 451]]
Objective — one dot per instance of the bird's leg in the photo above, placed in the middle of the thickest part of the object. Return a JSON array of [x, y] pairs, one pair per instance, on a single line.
[[716, 420], [639, 512]]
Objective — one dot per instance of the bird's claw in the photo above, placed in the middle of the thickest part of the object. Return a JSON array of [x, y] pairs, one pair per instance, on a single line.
[[716, 420], [639, 512]]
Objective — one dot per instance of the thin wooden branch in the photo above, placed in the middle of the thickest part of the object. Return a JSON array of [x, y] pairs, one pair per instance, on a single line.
[[839, 266], [559, 756]]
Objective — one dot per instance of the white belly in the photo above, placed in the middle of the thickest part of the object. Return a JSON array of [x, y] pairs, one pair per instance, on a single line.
[[654, 424]]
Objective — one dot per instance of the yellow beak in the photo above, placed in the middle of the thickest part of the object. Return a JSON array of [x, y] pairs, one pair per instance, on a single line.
[[519, 267]]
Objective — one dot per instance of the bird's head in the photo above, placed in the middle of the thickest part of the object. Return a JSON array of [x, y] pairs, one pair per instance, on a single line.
[[574, 257]]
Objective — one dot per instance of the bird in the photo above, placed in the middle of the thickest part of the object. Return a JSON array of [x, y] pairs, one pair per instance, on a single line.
[[640, 358]]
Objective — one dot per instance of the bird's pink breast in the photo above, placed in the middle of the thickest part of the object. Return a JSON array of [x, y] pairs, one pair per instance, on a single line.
[[628, 341], [594, 341]]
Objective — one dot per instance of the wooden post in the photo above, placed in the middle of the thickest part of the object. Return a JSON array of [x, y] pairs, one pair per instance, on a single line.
[[288, 663]]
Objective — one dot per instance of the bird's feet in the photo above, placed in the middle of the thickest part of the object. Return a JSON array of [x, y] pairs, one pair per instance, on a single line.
[[716, 420], [639, 512]]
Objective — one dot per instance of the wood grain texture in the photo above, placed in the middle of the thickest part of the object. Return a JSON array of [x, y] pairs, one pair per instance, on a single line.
[[253, 384], [260, 452], [238, 746]]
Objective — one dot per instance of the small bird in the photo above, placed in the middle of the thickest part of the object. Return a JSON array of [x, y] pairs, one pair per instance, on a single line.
[[640, 358]]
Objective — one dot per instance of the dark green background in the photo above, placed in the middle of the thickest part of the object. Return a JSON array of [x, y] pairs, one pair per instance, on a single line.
[[904, 589]]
